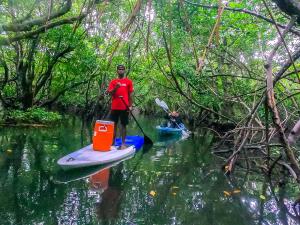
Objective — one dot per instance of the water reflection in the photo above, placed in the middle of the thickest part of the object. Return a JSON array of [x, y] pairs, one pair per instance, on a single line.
[[183, 177], [110, 186]]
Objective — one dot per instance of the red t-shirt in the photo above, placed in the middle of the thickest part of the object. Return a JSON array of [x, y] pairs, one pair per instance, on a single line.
[[124, 90]]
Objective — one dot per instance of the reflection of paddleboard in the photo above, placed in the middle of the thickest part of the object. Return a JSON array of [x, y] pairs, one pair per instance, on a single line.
[[73, 175], [88, 157]]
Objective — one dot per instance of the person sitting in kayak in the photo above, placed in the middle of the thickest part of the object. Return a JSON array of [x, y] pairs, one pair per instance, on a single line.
[[174, 120]]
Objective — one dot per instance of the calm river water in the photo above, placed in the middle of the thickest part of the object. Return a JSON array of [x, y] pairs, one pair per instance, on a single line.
[[175, 182]]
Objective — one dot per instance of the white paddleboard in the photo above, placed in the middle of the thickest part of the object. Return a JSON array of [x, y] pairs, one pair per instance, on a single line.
[[88, 157]]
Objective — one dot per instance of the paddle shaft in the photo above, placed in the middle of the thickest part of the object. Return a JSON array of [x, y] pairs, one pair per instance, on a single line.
[[146, 138]]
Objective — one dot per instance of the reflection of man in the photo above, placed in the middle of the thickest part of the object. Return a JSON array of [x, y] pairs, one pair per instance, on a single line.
[[99, 181], [108, 208]]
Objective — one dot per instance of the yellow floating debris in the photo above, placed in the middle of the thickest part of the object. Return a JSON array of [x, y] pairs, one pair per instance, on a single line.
[[152, 193], [9, 151], [262, 197], [236, 191], [174, 193], [226, 193]]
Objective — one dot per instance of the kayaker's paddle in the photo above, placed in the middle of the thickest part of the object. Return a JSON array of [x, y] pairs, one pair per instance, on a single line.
[[165, 107], [147, 140]]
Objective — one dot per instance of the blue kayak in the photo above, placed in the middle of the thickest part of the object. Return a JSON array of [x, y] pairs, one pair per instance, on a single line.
[[168, 130], [137, 141]]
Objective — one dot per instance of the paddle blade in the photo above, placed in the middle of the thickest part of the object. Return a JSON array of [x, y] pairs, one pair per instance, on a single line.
[[146, 148], [147, 140], [162, 104], [157, 101]]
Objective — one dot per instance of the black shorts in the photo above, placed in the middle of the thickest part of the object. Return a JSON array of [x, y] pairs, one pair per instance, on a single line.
[[122, 114]]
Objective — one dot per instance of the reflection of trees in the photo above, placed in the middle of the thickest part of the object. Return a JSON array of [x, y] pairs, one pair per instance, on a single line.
[[186, 168], [283, 206], [276, 209], [28, 194], [188, 172], [18, 142], [21, 177]]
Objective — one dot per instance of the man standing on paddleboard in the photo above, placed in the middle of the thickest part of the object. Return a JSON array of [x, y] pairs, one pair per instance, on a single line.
[[121, 90]]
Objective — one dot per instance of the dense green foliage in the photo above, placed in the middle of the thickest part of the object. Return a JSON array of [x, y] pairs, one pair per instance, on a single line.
[[32, 115], [218, 63], [161, 44]]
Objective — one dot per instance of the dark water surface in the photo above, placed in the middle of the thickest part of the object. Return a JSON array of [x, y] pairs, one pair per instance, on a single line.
[[175, 182]]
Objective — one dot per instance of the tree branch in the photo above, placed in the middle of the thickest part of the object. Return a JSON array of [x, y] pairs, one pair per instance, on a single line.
[[51, 101], [287, 65], [42, 29], [294, 31], [28, 25], [47, 74], [6, 71]]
